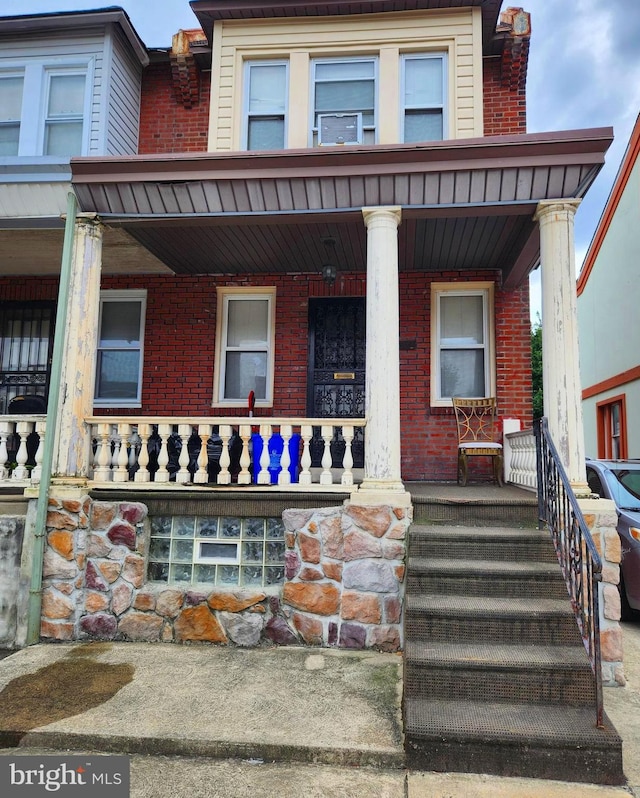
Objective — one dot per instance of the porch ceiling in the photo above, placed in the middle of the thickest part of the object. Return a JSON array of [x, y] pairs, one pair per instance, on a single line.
[[466, 204]]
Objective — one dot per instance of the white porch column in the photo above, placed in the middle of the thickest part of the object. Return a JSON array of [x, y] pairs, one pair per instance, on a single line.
[[382, 483], [561, 367], [71, 458]]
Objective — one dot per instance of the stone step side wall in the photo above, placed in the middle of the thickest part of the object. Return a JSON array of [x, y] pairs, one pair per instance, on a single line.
[[345, 590], [11, 539], [602, 520]]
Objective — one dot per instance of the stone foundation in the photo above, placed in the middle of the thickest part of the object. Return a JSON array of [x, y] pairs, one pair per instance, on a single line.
[[343, 582], [601, 518]]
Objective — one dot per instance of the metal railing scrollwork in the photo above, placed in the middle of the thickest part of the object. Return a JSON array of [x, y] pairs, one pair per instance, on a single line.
[[579, 559]]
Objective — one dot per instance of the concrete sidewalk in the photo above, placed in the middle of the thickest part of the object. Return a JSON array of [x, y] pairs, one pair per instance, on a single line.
[[213, 721]]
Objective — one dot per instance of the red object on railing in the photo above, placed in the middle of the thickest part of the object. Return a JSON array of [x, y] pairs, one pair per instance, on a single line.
[[251, 402]]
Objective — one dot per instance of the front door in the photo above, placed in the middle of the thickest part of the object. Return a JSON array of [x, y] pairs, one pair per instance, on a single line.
[[335, 380]]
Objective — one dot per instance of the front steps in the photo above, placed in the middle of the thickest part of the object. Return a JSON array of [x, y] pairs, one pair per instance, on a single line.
[[497, 679]]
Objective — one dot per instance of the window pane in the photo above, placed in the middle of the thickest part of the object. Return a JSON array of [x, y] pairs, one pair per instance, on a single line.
[[461, 322], [267, 90], [66, 95], [462, 372], [344, 96], [266, 134], [245, 372], [422, 82], [9, 138], [11, 98], [247, 322], [63, 138], [117, 374], [120, 324], [423, 126], [345, 70]]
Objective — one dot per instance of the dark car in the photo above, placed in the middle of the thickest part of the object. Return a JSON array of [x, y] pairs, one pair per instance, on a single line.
[[619, 480]]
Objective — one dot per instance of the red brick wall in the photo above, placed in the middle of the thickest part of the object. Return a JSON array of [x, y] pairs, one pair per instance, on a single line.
[[165, 124], [505, 106], [180, 347]]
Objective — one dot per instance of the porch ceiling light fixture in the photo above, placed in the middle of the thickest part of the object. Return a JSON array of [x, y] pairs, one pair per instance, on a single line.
[[329, 270]]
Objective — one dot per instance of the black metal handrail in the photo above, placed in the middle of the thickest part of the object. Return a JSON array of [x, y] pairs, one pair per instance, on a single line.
[[579, 559]]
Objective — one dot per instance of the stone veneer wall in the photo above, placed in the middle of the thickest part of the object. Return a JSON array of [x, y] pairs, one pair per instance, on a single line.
[[344, 577], [601, 518]]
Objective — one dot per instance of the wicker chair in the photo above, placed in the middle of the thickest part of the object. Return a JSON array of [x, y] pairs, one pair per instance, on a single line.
[[476, 423]]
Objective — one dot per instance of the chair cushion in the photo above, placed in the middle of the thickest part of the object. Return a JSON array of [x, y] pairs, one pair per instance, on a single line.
[[480, 445]]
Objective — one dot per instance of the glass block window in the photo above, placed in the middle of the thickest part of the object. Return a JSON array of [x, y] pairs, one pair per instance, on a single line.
[[222, 551]]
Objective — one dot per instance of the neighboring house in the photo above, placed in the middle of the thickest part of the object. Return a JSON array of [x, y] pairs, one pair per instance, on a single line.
[[69, 85], [608, 297], [327, 234]]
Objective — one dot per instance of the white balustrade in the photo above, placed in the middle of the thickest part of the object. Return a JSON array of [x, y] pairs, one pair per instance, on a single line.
[[20, 451], [520, 459], [185, 451]]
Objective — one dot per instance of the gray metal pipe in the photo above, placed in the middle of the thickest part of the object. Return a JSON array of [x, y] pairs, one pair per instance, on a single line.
[[40, 524]]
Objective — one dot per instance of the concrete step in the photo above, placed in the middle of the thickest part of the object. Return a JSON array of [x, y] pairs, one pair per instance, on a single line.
[[486, 543], [485, 577], [490, 672], [488, 619], [506, 739]]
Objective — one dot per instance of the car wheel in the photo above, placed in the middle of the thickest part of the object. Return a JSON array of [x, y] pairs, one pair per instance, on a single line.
[[627, 613]]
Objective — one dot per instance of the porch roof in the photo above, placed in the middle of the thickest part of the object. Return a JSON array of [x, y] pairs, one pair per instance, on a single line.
[[466, 204]]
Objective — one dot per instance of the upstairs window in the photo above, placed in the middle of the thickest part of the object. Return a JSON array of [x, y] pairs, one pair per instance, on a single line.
[[120, 349], [423, 92], [245, 346], [266, 84], [344, 91], [612, 428], [11, 87], [462, 341], [45, 109], [64, 117]]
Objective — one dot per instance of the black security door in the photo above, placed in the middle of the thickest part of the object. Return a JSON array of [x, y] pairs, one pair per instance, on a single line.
[[335, 382]]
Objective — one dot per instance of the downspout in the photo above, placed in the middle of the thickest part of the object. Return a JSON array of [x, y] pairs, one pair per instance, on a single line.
[[40, 525]]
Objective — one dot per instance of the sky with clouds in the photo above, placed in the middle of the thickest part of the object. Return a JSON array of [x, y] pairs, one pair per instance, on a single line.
[[584, 71]]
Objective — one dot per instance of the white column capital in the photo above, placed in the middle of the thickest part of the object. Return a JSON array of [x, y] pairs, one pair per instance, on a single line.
[[89, 224], [381, 215], [548, 208]]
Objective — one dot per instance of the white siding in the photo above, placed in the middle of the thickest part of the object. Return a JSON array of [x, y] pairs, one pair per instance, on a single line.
[[125, 77]]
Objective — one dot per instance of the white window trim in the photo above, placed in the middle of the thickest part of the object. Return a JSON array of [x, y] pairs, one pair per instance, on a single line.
[[139, 296], [313, 129], [224, 295], [487, 291], [248, 64], [443, 106], [35, 94]]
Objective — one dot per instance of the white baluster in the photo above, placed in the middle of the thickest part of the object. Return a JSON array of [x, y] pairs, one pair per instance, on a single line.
[[162, 474], [115, 450], [306, 433], [244, 477], [142, 474], [224, 477], [5, 431], [183, 476], [23, 428], [264, 477], [284, 477], [121, 473], [36, 471], [326, 477], [102, 472], [347, 460], [201, 476]]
